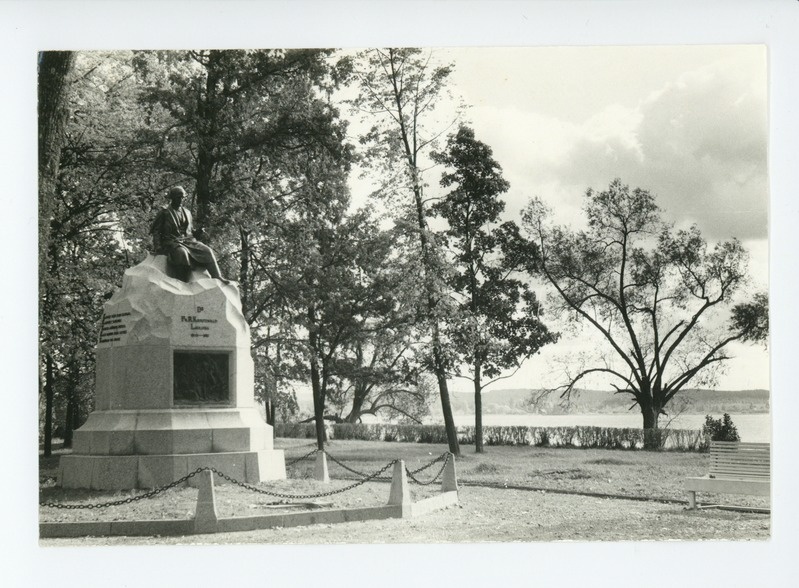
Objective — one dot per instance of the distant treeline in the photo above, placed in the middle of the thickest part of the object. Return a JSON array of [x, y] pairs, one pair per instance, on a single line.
[[517, 401]]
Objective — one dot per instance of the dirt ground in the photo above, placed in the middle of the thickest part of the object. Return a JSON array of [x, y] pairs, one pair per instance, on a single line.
[[561, 501]]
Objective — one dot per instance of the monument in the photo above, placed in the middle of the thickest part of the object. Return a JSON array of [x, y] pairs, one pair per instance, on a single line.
[[174, 387]]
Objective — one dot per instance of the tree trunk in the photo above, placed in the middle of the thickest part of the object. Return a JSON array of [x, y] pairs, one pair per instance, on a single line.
[[49, 395], [316, 384], [244, 272], [439, 365], [358, 397], [651, 432], [446, 407], [54, 67], [71, 416], [478, 406], [206, 134], [318, 405]]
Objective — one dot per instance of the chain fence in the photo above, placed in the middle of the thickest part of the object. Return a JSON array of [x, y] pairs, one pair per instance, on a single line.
[[156, 491], [354, 471], [306, 456], [444, 456], [128, 500], [368, 478], [377, 475], [411, 473]]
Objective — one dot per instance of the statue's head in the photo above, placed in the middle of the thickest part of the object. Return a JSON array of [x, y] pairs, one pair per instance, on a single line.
[[176, 196]]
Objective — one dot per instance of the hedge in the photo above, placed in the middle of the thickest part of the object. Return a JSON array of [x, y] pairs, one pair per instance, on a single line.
[[584, 437]]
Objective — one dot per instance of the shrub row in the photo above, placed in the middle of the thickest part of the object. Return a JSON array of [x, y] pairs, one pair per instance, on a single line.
[[585, 437]]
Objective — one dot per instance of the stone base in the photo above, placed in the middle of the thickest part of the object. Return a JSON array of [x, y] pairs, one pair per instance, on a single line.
[[124, 449], [168, 431], [125, 472]]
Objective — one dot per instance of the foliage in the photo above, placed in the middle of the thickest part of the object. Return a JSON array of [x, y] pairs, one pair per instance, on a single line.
[[722, 429], [651, 292], [245, 131], [87, 250], [499, 324], [398, 92]]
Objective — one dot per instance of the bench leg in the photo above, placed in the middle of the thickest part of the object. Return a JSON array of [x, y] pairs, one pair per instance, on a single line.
[[692, 500]]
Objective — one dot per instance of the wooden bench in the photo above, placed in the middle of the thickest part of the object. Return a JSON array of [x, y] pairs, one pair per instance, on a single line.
[[735, 468]]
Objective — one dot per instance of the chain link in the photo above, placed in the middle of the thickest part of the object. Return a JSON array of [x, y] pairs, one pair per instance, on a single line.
[[378, 475], [150, 494], [444, 455], [411, 473], [349, 469], [299, 459], [370, 477], [441, 471]]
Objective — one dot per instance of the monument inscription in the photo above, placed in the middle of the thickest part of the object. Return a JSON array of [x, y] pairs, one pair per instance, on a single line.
[[198, 326], [113, 327]]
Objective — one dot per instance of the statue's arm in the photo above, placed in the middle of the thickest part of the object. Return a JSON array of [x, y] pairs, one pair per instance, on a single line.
[[189, 223]]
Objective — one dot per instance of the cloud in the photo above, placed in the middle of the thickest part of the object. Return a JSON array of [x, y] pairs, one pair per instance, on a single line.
[[699, 144]]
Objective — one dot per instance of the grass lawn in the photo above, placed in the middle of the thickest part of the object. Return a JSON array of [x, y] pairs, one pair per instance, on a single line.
[[537, 494]]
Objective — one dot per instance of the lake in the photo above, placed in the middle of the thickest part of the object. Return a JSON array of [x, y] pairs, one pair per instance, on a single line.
[[753, 428]]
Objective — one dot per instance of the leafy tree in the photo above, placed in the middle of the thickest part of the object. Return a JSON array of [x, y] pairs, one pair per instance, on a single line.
[[722, 429], [54, 70], [87, 249], [379, 375], [500, 327], [398, 92], [651, 292], [240, 126], [253, 132], [380, 371]]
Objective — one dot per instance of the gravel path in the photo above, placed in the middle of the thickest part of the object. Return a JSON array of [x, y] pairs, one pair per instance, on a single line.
[[498, 515]]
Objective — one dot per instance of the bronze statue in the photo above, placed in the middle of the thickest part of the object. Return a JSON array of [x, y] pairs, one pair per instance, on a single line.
[[172, 236]]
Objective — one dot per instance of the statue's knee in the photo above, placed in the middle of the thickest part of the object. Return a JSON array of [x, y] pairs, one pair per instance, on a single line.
[[181, 257]]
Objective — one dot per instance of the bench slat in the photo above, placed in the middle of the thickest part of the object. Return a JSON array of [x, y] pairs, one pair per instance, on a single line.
[[740, 459], [740, 469], [735, 468], [740, 444], [744, 462]]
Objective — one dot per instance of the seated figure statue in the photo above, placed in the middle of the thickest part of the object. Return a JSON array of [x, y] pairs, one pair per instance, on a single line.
[[172, 236]]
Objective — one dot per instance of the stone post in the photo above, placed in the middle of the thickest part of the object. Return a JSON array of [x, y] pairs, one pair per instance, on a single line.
[[400, 490], [205, 518], [320, 473], [449, 481]]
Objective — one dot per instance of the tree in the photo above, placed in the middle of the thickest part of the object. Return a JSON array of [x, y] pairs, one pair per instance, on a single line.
[[54, 69], [399, 90], [500, 325], [84, 253], [381, 369], [240, 126], [652, 293]]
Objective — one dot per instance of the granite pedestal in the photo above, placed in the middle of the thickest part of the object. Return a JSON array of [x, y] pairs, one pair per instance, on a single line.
[[174, 388]]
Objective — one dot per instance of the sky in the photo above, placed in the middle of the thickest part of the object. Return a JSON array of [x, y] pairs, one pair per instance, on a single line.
[[688, 123]]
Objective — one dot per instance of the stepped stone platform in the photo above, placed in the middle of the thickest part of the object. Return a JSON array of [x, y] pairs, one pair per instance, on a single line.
[[174, 388]]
